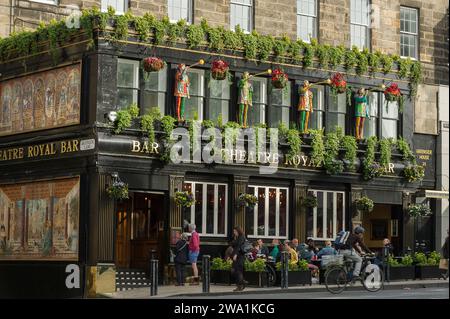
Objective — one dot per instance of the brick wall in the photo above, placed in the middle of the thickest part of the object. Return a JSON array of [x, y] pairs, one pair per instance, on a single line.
[[216, 12], [334, 22], [276, 17]]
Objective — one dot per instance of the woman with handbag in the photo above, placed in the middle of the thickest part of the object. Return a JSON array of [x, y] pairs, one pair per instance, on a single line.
[[181, 258], [443, 264]]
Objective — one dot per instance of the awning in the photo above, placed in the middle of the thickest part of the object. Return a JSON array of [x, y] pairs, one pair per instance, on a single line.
[[430, 193]]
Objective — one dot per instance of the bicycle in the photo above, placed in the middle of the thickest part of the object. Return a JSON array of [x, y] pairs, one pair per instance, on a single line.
[[337, 277]]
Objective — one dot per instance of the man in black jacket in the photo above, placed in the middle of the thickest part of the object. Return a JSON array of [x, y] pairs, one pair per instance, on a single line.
[[353, 248]]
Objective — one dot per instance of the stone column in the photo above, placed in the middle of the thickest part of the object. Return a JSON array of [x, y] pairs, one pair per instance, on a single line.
[[239, 186], [299, 211], [175, 211]]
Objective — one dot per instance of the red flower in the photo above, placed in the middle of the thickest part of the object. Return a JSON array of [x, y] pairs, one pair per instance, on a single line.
[[153, 64], [392, 89], [338, 81], [219, 66], [278, 75]]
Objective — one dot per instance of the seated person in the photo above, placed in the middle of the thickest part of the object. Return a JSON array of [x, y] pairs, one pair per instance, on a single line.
[[229, 253], [263, 250], [327, 250], [292, 253], [385, 252], [295, 244], [254, 250], [276, 251], [308, 250]]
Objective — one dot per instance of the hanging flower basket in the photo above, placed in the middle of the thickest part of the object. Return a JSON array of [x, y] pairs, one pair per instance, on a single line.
[[118, 190], [393, 94], [419, 210], [153, 64], [279, 79], [248, 200], [364, 204], [310, 201], [414, 173], [184, 199], [219, 70], [338, 84]]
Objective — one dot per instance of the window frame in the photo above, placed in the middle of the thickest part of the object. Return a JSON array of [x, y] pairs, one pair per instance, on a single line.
[[307, 15], [190, 12], [358, 24], [416, 35], [263, 82], [328, 101], [382, 117], [136, 78], [158, 92], [325, 213], [251, 15], [50, 2], [208, 99], [266, 213], [204, 207], [126, 6], [271, 105]]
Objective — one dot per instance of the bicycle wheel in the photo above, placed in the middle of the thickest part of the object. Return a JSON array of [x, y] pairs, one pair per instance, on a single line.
[[271, 275], [336, 280], [373, 278]]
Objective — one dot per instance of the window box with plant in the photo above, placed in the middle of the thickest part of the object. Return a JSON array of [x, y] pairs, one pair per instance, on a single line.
[[299, 274], [221, 271], [401, 270], [220, 70], [184, 199], [427, 267], [255, 274]]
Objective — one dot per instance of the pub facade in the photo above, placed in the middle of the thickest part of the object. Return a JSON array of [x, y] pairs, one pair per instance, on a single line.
[[60, 151]]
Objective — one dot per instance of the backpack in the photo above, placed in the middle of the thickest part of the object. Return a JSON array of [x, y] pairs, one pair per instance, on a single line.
[[246, 247], [341, 241]]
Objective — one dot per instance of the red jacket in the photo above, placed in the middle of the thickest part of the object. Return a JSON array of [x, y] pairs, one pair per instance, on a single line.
[[194, 242]]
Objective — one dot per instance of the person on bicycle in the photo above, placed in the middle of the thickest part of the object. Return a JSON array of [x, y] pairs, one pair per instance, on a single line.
[[354, 249]]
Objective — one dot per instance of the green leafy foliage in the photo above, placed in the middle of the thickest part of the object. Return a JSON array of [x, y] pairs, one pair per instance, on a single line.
[[318, 149], [348, 143], [364, 204], [385, 151], [259, 265], [195, 35], [331, 162], [371, 169], [221, 264]]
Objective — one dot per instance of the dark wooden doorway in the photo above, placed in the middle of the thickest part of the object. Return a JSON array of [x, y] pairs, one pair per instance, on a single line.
[[140, 230]]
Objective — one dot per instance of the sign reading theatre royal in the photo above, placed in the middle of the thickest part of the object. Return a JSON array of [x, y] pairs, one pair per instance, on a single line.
[[40, 101]]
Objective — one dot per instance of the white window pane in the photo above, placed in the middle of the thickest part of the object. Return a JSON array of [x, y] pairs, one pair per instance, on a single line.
[[370, 127], [389, 128], [391, 110]]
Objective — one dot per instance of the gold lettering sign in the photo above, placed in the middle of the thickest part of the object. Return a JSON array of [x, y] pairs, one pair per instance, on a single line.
[[145, 147], [40, 101]]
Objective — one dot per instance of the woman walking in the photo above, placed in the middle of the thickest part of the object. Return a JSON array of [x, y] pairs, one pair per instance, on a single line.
[[181, 258], [238, 257]]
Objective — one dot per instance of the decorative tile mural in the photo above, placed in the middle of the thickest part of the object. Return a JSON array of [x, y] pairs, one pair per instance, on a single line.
[[41, 101], [40, 220]]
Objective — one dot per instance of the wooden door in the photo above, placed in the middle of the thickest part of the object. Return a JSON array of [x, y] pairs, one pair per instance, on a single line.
[[123, 229]]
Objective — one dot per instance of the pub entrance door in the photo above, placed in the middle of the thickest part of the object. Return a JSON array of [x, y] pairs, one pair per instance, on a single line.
[[140, 230]]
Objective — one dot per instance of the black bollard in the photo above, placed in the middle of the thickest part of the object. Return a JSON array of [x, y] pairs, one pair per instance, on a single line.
[[206, 274], [153, 277], [284, 269]]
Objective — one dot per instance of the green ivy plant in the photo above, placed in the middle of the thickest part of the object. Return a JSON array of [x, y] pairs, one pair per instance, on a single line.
[[348, 143], [331, 162], [124, 118], [318, 149], [385, 151], [414, 172], [364, 204], [371, 169]]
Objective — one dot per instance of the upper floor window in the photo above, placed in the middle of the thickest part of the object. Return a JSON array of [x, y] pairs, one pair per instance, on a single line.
[[337, 111], [409, 32], [196, 102], [209, 212], [55, 2], [269, 217], [121, 6], [218, 100], [359, 23], [280, 103], [371, 124], [328, 218], [390, 119], [127, 82], [180, 9], [241, 13], [317, 116], [306, 19], [257, 112]]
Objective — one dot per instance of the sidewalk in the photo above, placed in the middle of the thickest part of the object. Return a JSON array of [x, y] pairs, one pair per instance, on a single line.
[[220, 290]]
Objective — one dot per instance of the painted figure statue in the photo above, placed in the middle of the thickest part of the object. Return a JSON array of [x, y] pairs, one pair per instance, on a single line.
[[181, 90], [245, 97], [305, 105], [361, 112]]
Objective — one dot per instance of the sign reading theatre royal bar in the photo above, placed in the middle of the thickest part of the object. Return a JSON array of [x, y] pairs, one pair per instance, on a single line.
[[40, 101]]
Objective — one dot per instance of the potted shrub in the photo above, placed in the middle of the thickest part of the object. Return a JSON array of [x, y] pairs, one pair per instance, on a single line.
[[184, 199], [221, 271], [255, 274], [118, 190], [248, 200], [364, 204], [403, 270], [427, 267], [299, 274]]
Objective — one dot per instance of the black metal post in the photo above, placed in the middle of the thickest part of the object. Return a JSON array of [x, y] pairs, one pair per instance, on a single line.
[[153, 277], [284, 269], [386, 263], [206, 274]]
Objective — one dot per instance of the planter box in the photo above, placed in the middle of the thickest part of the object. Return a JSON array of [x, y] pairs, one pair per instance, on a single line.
[[221, 277], [401, 273], [296, 278], [428, 272], [258, 279]]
